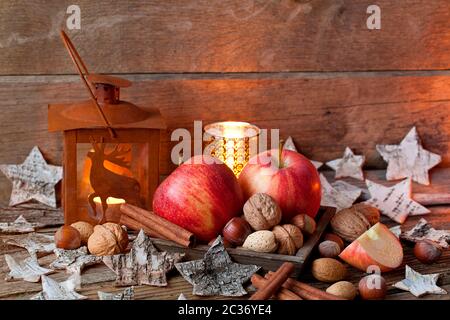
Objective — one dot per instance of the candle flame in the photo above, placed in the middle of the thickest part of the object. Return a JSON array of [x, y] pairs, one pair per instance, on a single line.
[[110, 200]]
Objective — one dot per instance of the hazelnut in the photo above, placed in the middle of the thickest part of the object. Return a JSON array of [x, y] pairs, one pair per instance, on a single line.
[[67, 238], [289, 238], [372, 287], [261, 241], [262, 212], [372, 214], [343, 289], [108, 239], [349, 224], [427, 251], [236, 231], [85, 229], [306, 224], [335, 238], [329, 249], [328, 270]]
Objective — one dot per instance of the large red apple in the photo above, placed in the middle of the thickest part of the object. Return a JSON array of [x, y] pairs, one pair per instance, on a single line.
[[378, 246], [294, 183], [201, 195]]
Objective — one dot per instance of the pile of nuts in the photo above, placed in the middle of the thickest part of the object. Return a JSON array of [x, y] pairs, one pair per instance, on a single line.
[[260, 229], [101, 240]]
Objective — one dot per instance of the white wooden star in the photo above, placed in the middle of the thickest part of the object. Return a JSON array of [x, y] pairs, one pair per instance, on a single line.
[[339, 195], [394, 202], [290, 145], [66, 290], [33, 179], [350, 165], [408, 159], [419, 284], [28, 270]]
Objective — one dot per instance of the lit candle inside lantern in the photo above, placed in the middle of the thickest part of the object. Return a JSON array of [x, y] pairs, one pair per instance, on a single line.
[[231, 142], [112, 213]]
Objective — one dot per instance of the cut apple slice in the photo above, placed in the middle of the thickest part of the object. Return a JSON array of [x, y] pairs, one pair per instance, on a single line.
[[378, 246]]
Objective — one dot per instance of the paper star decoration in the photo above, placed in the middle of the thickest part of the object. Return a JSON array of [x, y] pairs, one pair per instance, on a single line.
[[349, 165], [394, 202], [339, 195], [33, 179], [28, 270], [289, 145], [216, 274], [408, 159], [419, 284], [52, 290]]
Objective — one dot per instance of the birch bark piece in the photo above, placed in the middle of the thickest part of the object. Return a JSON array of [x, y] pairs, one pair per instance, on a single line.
[[424, 231], [419, 284], [408, 159], [126, 294], [397, 231], [74, 261], [36, 244], [290, 145], [350, 165], [53, 290], [20, 225], [340, 195], [27, 270], [395, 202], [182, 297], [144, 264], [33, 180], [216, 274]]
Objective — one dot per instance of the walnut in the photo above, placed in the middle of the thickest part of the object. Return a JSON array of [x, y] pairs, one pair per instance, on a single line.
[[261, 241], [289, 238], [349, 224], [108, 239], [85, 229], [262, 212]]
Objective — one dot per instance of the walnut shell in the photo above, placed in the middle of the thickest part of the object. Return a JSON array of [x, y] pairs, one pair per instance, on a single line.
[[108, 239], [262, 212], [328, 270], [85, 229], [372, 214], [289, 238], [349, 224], [261, 241]]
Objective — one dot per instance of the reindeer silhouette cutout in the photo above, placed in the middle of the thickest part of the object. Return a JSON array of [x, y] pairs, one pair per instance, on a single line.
[[107, 183]]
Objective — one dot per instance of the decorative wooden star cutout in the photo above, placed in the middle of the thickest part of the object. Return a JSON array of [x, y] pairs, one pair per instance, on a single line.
[[33, 179], [216, 274], [144, 264], [27, 270], [339, 195], [20, 225], [37, 244], [408, 159], [349, 165], [419, 284], [74, 261], [52, 290], [394, 202], [424, 231], [290, 145], [126, 294]]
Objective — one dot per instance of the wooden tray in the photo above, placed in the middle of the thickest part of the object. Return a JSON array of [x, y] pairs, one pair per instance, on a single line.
[[268, 261]]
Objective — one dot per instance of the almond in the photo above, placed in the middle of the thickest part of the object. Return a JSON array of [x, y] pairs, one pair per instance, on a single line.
[[261, 241], [343, 289], [328, 270]]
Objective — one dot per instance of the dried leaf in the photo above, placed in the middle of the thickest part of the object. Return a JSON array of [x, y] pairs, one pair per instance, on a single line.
[[419, 284], [290, 145], [20, 225], [74, 261], [408, 159], [35, 243], [127, 294], [33, 179], [53, 290], [216, 274], [339, 195], [144, 264], [350, 165], [394, 202], [423, 230], [27, 270]]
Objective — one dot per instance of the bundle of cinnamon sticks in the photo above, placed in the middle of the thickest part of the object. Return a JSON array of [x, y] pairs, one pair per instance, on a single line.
[[279, 286], [155, 226]]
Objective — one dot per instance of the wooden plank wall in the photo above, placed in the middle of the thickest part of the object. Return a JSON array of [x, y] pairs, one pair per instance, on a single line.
[[310, 68]]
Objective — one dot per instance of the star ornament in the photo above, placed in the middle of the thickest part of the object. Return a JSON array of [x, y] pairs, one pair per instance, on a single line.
[[216, 274], [33, 180], [394, 202], [419, 284], [350, 165], [339, 195], [408, 159]]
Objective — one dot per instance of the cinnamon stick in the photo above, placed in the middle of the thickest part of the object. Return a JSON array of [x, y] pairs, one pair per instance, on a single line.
[[275, 283], [137, 226], [158, 225], [283, 294], [304, 290]]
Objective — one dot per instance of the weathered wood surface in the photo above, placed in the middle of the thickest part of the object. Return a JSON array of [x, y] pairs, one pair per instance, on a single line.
[[225, 36]]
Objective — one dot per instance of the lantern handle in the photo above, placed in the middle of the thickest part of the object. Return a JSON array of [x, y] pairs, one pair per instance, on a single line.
[[82, 71]]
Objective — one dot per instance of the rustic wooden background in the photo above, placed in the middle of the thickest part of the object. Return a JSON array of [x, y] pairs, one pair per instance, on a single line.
[[309, 68]]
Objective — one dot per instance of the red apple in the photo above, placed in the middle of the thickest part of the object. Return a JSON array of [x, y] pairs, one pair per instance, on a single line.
[[201, 195], [378, 246], [294, 184]]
